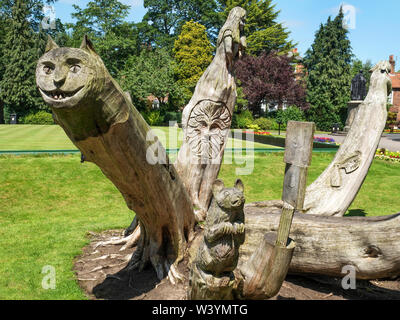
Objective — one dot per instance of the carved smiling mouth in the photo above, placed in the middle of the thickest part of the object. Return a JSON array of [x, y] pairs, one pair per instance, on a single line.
[[60, 95]]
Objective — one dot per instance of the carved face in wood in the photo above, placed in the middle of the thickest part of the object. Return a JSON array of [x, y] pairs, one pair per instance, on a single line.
[[380, 76], [207, 128], [66, 76], [229, 199]]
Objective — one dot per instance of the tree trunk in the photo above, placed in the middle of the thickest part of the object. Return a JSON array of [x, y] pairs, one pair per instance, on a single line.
[[102, 122], [335, 190], [207, 119], [324, 245], [1, 112]]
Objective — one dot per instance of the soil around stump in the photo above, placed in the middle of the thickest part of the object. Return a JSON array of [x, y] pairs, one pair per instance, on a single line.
[[102, 274]]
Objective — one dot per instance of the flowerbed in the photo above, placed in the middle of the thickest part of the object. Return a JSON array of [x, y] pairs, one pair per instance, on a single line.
[[383, 154], [324, 140], [394, 131], [259, 133]]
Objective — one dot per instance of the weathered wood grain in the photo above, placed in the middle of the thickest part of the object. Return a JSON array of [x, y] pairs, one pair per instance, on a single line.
[[324, 245]]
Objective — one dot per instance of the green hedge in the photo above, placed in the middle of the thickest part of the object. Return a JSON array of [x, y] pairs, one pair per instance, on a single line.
[[280, 141], [38, 118]]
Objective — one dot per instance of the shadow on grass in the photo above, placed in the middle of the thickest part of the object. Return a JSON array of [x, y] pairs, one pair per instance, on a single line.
[[356, 213]]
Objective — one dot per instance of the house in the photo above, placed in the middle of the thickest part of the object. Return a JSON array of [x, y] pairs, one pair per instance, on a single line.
[[394, 98]]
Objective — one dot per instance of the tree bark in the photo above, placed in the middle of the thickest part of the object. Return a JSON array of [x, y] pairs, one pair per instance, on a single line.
[[207, 118], [324, 245], [153, 190], [104, 125], [337, 187], [1, 112]]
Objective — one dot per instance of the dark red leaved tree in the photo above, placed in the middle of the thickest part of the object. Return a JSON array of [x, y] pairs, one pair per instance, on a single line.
[[270, 78]]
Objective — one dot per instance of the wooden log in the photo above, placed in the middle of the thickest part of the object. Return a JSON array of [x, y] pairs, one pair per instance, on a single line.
[[207, 118], [101, 121], [336, 188], [324, 245], [267, 268]]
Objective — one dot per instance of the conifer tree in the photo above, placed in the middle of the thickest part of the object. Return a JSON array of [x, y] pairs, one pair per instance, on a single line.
[[193, 54], [20, 55], [263, 31], [328, 64]]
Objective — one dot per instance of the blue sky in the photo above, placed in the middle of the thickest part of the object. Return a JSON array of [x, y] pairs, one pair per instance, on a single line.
[[374, 32]]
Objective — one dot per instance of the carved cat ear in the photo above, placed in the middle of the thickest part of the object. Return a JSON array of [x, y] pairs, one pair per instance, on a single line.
[[217, 187], [50, 44], [239, 185], [87, 44]]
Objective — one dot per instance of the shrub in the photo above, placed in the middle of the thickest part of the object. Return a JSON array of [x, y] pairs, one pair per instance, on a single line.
[[254, 127], [244, 120], [153, 118], [292, 113], [173, 116], [266, 123], [41, 118]]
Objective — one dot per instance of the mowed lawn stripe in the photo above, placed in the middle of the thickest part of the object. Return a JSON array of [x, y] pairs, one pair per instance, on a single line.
[[34, 137], [52, 137]]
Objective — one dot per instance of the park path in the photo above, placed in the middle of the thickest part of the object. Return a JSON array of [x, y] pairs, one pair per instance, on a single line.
[[390, 142]]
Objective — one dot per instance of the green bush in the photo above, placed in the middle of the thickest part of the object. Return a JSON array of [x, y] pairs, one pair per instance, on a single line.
[[292, 113], [41, 118], [153, 118], [244, 120], [266, 123], [254, 127], [173, 116]]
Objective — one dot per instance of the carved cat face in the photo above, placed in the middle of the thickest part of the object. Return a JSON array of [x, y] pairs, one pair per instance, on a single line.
[[207, 128], [229, 199], [380, 76], [66, 76]]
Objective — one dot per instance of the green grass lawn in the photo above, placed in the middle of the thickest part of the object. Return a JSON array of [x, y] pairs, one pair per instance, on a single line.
[[48, 204], [52, 137]]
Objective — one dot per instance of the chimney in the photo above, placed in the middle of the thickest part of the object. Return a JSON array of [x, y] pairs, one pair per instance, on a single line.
[[393, 64]]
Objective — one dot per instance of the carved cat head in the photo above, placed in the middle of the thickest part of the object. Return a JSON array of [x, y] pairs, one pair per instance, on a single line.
[[66, 76], [380, 77], [229, 199]]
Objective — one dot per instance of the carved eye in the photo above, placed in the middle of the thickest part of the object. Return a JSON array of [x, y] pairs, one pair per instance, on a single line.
[[75, 68], [47, 69]]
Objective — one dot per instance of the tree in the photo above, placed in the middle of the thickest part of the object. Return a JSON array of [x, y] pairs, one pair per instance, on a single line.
[[193, 54], [104, 125], [270, 78], [103, 21], [328, 63], [165, 18], [150, 73], [263, 31], [2, 62], [20, 54]]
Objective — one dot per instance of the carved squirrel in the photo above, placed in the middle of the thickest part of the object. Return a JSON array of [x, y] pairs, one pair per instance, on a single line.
[[224, 230]]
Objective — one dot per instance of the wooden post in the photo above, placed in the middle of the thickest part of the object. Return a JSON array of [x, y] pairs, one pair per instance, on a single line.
[[298, 154], [267, 268]]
